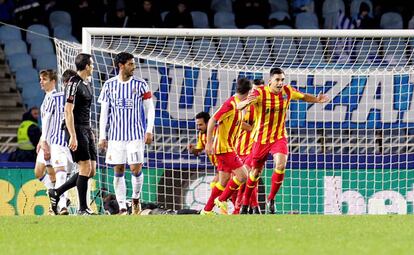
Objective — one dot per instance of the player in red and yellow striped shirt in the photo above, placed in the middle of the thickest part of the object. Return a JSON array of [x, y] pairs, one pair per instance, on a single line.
[[271, 103], [244, 148], [202, 119], [227, 119]]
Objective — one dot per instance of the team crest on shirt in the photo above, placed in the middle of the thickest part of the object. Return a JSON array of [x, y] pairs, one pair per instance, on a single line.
[[285, 96]]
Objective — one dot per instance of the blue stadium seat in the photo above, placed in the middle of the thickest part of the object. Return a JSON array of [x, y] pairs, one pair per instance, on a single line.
[[200, 19], [310, 51], [224, 20], [62, 31], [279, 5], [330, 10], [14, 47], [38, 30], [48, 61], [254, 27], [178, 49], [26, 75], [221, 5], [306, 20], [40, 47], [33, 95], [391, 20], [8, 33], [394, 51], [59, 18], [103, 61], [279, 15], [20, 60]]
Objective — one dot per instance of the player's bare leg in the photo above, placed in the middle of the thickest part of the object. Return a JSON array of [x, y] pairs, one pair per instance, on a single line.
[[223, 178]]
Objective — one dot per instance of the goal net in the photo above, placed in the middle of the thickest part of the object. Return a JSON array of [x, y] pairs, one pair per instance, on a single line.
[[352, 155]]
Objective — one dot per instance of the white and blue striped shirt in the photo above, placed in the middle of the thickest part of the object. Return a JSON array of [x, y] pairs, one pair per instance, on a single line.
[[46, 125], [126, 109], [56, 108]]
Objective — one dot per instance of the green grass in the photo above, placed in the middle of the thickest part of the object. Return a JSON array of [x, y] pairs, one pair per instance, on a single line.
[[280, 234]]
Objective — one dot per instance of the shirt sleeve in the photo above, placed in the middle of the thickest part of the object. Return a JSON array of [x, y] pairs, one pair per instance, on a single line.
[[144, 90], [104, 95], [71, 89], [224, 111], [295, 94]]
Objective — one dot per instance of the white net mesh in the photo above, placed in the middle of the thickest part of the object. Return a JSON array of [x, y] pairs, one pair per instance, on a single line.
[[353, 155]]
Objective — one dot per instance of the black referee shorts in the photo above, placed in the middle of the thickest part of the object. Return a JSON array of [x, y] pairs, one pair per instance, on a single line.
[[86, 145]]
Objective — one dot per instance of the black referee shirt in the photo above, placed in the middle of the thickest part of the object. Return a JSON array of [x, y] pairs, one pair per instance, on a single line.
[[79, 93]]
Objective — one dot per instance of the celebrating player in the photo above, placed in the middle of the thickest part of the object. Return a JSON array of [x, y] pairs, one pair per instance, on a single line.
[[228, 120], [244, 146], [271, 103], [78, 96], [129, 102], [202, 119]]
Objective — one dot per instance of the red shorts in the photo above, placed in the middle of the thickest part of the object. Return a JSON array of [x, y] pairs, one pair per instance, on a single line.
[[260, 151], [227, 162]]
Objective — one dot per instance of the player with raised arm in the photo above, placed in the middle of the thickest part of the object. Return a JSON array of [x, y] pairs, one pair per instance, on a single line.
[[271, 103], [202, 119], [78, 97], [128, 100], [228, 121]]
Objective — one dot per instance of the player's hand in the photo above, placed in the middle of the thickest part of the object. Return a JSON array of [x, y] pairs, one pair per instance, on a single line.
[[103, 144], [322, 98], [73, 143], [209, 149], [46, 150], [148, 138], [38, 147], [190, 147]]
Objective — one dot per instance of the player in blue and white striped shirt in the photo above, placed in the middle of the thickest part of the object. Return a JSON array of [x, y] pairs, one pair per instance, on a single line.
[[53, 145], [128, 100]]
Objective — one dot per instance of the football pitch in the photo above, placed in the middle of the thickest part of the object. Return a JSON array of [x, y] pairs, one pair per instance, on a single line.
[[266, 234]]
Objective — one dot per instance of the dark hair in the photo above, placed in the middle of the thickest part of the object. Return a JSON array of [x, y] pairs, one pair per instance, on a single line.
[[258, 82], [51, 74], [243, 85], [276, 70], [203, 115], [364, 7], [82, 60], [67, 74], [122, 58]]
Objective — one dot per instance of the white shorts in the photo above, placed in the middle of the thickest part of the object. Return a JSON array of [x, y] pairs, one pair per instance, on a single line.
[[60, 156], [121, 152], [41, 158]]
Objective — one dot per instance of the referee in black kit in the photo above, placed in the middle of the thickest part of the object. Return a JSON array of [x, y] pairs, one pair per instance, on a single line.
[[79, 96]]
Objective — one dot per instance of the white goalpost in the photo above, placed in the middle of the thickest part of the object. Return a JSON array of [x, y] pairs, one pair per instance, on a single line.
[[353, 155]]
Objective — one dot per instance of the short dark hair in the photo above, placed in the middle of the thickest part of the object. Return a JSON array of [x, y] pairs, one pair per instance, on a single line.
[[67, 74], [49, 73], [276, 70], [258, 82], [122, 58], [82, 60], [244, 85], [203, 115]]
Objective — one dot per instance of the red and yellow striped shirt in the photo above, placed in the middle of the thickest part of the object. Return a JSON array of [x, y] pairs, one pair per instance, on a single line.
[[228, 118], [245, 139], [201, 145], [271, 112]]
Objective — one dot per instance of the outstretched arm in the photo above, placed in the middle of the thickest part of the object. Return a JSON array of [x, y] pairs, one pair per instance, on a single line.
[[321, 98]]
